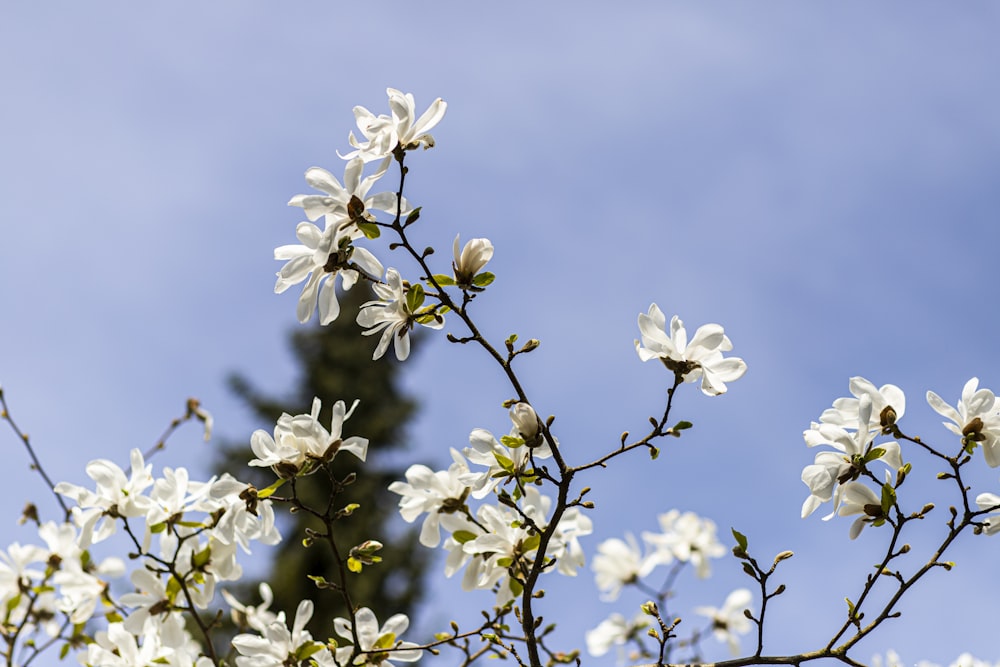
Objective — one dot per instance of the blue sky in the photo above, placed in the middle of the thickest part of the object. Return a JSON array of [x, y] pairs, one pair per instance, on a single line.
[[820, 178]]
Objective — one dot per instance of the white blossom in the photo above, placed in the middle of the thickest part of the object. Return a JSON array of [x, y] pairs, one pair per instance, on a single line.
[[382, 134], [377, 645], [729, 621], [977, 418], [701, 358]]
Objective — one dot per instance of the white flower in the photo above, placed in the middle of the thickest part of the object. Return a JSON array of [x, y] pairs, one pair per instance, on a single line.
[[257, 617], [486, 451], [686, 537], [300, 441], [859, 499], [729, 621], [471, 260], [117, 647], [976, 420], [337, 199], [376, 645], [619, 563], [115, 496], [383, 133], [525, 421], [436, 493], [277, 644], [615, 630], [394, 313], [831, 470], [321, 257], [990, 501], [699, 358], [845, 411]]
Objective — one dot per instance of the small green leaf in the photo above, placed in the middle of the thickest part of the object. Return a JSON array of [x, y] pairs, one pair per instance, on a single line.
[[741, 539], [64, 651], [463, 536], [681, 426], [442, 280], [504, 462], [269, 491], [414, 297], [413, 216], [173, 588], [888, 498], [511, 441], [483, 279], [511, 339], [531, 543], [875, 454], [354, 565], [369, 229], [307, 650], [201, 559], [654, 453], [388, 640], [506, 561]]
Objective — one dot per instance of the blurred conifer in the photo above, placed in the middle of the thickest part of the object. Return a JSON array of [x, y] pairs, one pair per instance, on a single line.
[[335, 364]]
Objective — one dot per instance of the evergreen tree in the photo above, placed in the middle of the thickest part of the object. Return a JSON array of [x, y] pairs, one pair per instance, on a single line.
[[335, 364]]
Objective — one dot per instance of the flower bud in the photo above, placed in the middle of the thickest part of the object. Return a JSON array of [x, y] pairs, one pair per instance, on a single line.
[[471, 260], [527, 423]]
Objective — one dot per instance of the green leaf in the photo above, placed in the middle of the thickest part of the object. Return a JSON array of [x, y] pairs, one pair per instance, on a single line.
[[681, 426], [201, 559], [442, 280], [875, 454], [504, 462], [463, 536], [414, 297], [388, 640], [531, 543], [413, 216], [369, 229], [354, 565], [511, 339], [505, 561], [511, 441], [269, 491], [888, 498], [305, 651], [741, 539], [654, 453], [483, 279], [173, 588], [64, 651]]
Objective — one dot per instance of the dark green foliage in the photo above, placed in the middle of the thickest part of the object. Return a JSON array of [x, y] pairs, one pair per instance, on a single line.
[[335, 364]]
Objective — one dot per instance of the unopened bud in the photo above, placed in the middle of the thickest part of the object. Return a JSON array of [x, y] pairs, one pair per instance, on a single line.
[[784, 555], [649, 608], [527, 423]]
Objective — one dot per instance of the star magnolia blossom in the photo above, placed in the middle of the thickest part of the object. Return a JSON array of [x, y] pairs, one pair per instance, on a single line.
[[378, 645], [301, 440], [831, 470], [471, 260], [615, 630], [976, 419], [700, 358], [729, 621], [277, 646], [321, 257], [619, 563], [391, 316], [382, 134], [844, 412], [688, 538], [336, 202], [435, 493]]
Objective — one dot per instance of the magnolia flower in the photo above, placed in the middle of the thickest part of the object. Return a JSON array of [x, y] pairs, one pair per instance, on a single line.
[[257, 617], [990, 501], [383, 133], [115, 496], [526, 422], [831, 470], [619, 563], [700, 358], [117, 647], [859, 499], [887, 403], [471, 260], [320, 258], [393, 314], [348, 202], [499, 460], [376, 645], [615, 630], [278, 646], [729, 621], [300, 441], [436, 493], [977, 418], [686, 537]]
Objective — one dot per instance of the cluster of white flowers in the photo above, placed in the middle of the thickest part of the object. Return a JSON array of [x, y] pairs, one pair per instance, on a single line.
[[349, 214], [892, 659], [683, 538], [850, 428], [188, 542], [497, 543]]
